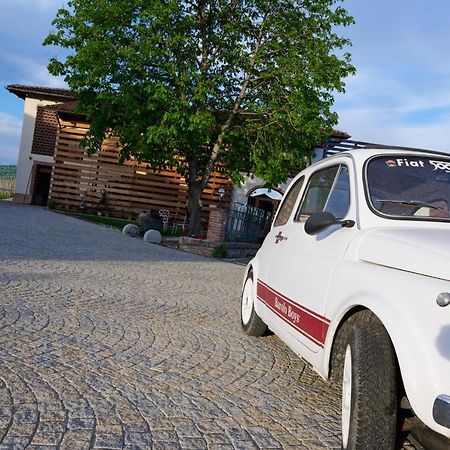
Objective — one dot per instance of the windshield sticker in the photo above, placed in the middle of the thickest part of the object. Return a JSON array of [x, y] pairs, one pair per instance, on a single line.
[[442, 165], [403, 162]]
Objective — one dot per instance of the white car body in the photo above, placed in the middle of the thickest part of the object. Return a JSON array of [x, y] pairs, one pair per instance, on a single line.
[[305, 286]]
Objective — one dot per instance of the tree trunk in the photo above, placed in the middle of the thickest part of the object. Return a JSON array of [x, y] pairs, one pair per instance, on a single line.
[[194, 209]]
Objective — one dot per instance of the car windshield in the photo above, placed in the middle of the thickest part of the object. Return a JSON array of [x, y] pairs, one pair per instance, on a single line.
[[409, 186]]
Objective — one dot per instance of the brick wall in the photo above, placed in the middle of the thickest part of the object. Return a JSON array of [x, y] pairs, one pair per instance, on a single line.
[[45, 129], [217, 224]]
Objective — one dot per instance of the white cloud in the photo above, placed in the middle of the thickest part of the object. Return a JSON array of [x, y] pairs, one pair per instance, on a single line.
[[401, 93], [386, 107], [9, 125], [10, 130], [31, 72], [38, 74], [384, 89], [9, 153], [381, 126]]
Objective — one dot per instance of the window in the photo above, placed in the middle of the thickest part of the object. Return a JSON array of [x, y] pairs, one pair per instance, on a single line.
[[288, 203], [339, 200], [328, 190], [409, 186]]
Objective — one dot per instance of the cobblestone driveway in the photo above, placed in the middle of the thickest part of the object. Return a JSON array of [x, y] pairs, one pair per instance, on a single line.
[[108, 342]]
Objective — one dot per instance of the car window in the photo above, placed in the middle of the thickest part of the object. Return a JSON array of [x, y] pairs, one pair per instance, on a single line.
[[409, 187], [328, 190], [339, 199], [288, 203]]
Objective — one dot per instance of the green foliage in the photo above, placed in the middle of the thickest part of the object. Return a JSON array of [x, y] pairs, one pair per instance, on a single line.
[[219, 252], [7, 181], [190, 83], [171, 233], [8, 171]]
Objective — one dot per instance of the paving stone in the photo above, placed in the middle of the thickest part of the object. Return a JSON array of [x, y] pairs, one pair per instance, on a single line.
[[108, 441], [76, 440], [14, 443], [237, 434], [78, 423], [107, 342], [26, 416], [217, 439], [42, 447], [162, 435], [220, 447], [166, 446], [46, 438], [263, 438], [136, 438], [192, 443], [23, 429], [51, 427]]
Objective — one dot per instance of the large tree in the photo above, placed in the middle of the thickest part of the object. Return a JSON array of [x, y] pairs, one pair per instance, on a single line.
[[197, 84]]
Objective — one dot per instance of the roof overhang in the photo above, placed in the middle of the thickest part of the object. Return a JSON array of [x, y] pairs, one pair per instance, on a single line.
[[41, 93]]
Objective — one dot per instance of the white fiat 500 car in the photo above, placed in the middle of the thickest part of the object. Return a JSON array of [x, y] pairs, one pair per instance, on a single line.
[[354, 276]]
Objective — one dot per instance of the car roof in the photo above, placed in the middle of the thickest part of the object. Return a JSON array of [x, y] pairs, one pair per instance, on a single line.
[[362, 154]]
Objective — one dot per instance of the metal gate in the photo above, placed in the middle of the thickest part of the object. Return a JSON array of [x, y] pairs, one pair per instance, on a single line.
[[247, 224]]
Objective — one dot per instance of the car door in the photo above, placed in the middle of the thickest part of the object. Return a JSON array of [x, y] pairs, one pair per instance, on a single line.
[[294, 284]]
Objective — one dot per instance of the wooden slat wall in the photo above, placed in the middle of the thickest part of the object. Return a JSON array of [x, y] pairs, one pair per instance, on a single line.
[[78, 179]]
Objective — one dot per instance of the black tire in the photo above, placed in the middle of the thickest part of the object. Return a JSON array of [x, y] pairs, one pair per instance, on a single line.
[[372, 414], [251, 323]]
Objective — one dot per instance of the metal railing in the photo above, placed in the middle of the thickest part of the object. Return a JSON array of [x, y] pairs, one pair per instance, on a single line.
[[336, 145], [247, 224]]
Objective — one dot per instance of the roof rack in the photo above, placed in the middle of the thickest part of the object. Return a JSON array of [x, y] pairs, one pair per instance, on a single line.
[[336, 145]]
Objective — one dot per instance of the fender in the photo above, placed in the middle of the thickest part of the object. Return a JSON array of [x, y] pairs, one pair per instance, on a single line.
[[250, 267], [389, 298]]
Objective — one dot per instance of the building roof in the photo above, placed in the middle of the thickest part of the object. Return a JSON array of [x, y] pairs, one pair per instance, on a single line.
[[68, 107], [40, 92], [339, 134]]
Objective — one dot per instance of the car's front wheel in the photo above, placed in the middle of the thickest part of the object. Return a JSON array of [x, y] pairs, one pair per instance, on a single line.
[[250, 321], [369, 389]]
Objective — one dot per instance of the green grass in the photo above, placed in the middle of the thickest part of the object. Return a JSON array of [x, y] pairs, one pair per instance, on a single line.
[[112, 222], [5, 195]]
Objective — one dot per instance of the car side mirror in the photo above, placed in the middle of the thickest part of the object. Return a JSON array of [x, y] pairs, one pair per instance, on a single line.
[[320, 221]]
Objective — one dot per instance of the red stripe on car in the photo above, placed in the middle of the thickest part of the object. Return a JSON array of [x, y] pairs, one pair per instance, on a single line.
[[307, 322]]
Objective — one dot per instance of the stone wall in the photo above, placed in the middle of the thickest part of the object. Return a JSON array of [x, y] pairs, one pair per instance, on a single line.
[[206, 247]]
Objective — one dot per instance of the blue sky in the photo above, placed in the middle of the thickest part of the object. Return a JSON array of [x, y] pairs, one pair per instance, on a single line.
[[400, 94]]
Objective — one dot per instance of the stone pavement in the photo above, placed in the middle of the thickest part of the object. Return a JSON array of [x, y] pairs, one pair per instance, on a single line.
[[108, 342]]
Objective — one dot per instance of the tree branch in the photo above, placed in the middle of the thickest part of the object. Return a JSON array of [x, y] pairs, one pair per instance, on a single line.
[[237, 104]]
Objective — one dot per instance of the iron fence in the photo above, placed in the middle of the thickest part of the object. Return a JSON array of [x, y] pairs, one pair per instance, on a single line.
[[247, 224]]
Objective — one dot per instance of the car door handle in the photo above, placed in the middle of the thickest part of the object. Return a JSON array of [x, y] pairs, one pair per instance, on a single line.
[[279, 238]]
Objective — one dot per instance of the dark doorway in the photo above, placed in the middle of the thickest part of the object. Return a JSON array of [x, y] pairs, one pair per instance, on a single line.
[[264, 198], [263, 202], [41, 185]]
